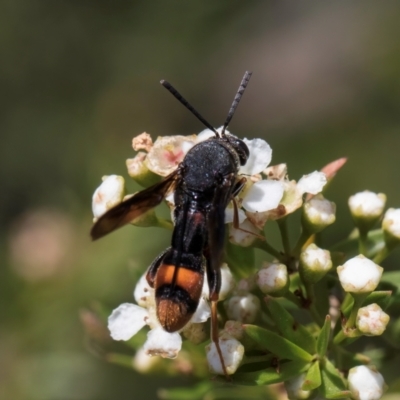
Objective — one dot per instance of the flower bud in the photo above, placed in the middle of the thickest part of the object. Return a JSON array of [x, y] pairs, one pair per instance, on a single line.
[[108, 194], [366, 208], [227, 282], [195, 333], [314, 263], [232, 353], [138, 170], [372, 320], [243, 308], [273, 279], [293, 388], [318, 213], [365, 383], [233, 329], [359, 275], [391, 226]]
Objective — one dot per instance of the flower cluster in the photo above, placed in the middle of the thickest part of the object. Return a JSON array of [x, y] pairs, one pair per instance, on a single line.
[[255, 299]]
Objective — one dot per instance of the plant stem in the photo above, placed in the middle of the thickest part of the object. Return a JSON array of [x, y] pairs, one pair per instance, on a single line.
[[381, 255], [263, 245], [362, 242], [282, 224], [312, 307], [305, 235]]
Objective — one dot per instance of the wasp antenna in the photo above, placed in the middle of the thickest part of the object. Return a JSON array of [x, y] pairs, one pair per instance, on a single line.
[[179, 97], [236, 100]]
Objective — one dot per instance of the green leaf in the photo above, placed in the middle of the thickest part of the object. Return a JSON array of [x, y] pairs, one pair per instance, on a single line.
[[380, 297], [313, 377], [285, 371], [332, 385], [290, 328], [241, 260], [281, 347], [323, 337], [392, 279]]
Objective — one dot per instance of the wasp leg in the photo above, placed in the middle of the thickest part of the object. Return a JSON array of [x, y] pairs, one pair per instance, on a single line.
[[214, 285], [152, 271], [238, 186]]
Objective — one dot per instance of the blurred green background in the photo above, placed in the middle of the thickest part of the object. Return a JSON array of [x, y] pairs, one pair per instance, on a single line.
[[79, 79]]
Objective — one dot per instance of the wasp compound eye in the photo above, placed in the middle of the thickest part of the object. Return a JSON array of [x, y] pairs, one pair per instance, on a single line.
[[241, 149]]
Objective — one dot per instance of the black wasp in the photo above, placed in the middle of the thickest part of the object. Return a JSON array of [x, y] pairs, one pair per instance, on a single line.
[[204, 183]]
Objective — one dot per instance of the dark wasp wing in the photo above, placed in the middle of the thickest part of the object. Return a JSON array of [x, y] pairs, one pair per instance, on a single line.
[[216, 236], [131, 208]]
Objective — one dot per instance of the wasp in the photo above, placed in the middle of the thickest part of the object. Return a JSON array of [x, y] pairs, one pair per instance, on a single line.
[[204, 183]]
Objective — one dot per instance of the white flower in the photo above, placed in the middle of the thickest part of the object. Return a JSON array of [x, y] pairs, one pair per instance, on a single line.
[[318, 213], [259, 158], [312, 183], [143, 293], [108, 194], [367, 204], [272, 278], [243, 308], [372, 320], [365, 383], [391, 222], [359, 275], [314, 263], [232, 353]]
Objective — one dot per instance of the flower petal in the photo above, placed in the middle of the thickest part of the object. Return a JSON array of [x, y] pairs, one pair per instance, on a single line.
[[259, 158], [126, 320], [162, 343], [263, 196], [312, 183], [203, 312], [143, 292], [229, 212]]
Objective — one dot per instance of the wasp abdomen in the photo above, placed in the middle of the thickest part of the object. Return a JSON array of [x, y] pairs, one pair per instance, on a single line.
[[178, 291]]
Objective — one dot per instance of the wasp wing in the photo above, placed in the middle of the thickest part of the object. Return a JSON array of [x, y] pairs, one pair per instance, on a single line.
[[133, 207], [216, 237]]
